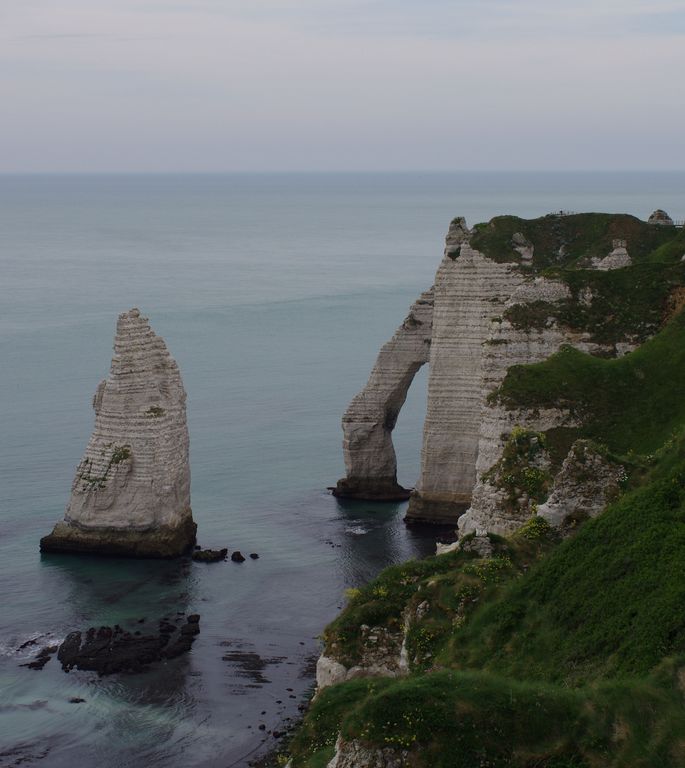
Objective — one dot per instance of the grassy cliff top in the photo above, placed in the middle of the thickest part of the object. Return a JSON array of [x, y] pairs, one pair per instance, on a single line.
[[571, 240]]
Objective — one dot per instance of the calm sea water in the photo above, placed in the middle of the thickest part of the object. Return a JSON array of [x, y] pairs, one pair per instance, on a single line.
[[274, 293]]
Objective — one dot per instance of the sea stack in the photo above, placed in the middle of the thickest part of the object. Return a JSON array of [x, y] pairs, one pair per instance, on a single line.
[[131, 493]]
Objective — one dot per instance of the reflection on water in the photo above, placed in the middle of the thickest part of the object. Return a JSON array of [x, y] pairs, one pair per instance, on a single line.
[[121, 710], [373, 536], [118, 589], [251, 665]]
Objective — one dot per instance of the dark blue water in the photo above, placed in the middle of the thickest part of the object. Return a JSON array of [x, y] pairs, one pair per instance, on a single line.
[[274, 293]]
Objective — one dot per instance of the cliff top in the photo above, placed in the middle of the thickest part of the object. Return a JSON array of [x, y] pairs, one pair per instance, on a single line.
[[573, 240]]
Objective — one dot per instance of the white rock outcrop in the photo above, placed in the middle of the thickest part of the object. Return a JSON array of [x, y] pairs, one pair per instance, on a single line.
[[384, 654], [354, 754], [617, 258], [131, 493], [329, 672], [661, 218], [586, 483], [370, 462]]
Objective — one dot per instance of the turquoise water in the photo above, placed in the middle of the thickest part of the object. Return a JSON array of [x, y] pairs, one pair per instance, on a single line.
[[274, 293]]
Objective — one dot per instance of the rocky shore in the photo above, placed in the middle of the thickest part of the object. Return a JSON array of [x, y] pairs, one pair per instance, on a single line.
[[109, 650]]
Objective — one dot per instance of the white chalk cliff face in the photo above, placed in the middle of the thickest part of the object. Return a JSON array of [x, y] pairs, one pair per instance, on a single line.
[[131, 493], [471, 337], [469, 290], [586, 483], [368, 423], [355, 754]]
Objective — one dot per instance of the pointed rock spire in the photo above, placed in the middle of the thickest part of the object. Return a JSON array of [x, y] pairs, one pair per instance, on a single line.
[[131, 493]]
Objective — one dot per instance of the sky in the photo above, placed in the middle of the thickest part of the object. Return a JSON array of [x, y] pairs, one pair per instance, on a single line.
[[356, 85]]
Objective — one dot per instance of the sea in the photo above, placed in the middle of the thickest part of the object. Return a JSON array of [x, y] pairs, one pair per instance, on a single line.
[[274, 293]]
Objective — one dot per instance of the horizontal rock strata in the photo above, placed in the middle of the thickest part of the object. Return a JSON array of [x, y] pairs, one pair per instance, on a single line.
[[131, 493], [469, 291], [370, 462]]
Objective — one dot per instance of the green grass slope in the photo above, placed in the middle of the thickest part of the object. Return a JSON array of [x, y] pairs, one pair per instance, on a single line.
[[634, 403], [551, 653], [577, 661]]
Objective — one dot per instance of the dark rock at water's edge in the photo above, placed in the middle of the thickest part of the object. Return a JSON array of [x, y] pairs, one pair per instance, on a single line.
[[433, 512], [209, 555], [237, 557], [377, 489], [165, 542], [42, 658], [254, 556], [111, 649]]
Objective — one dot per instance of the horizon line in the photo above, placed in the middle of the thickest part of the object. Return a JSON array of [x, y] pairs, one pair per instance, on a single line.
[[132, 172]]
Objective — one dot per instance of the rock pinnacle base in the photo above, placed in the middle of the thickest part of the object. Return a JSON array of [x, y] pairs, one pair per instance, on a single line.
[[163, 542]]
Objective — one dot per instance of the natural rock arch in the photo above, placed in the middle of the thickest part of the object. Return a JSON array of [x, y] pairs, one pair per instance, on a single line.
[[370, 418]]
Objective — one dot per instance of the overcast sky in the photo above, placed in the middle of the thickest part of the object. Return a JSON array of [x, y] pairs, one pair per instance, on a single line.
[[221, 85]]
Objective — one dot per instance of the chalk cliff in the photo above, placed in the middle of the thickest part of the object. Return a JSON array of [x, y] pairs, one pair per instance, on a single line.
[[371, 417], [507, 293], [131, 492], [555, 438]]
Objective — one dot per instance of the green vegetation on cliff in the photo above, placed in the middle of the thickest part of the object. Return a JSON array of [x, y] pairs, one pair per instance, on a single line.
[[573, 240], [610, 306], [536, 651], [633, 403], [475, 719], [629, 303], [448, 588], [544, 655]]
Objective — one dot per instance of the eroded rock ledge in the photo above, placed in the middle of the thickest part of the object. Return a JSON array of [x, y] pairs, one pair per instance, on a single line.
[[131, 492]]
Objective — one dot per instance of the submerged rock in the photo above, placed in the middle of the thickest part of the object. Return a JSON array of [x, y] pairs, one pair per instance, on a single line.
[[237, 557], [131, 493], [42, 658]]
